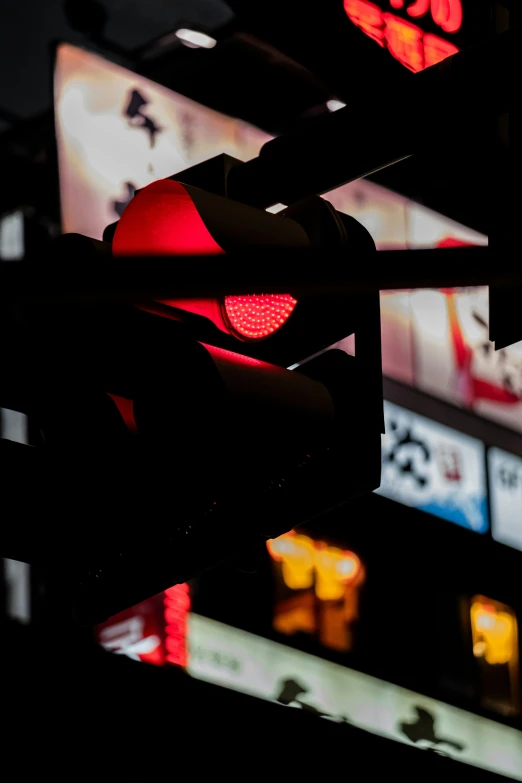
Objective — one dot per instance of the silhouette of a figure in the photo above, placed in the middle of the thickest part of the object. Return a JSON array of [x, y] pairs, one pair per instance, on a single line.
[[119, 206], [423, 728], [290, 693], [137, 119]]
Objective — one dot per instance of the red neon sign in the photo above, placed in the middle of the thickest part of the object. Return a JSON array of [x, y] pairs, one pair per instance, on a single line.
[[405, 42], [447, 14], [177, 605], [408, 43]]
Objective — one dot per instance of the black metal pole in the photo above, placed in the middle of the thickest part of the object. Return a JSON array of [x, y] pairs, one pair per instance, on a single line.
[[302, 273]]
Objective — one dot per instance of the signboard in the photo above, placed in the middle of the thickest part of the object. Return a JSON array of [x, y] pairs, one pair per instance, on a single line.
[[153, 631], [117, 132], [259, 667], [505, 487], [434, 468], [406, 40]]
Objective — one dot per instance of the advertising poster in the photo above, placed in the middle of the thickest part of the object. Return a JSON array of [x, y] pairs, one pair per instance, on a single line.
[[434, 468], [244, 662], [505, 487]]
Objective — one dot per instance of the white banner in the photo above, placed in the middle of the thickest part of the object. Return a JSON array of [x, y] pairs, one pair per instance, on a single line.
[[235, 659]]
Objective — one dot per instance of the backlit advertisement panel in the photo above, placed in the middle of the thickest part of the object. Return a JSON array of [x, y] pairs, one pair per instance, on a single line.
[[434, 468]]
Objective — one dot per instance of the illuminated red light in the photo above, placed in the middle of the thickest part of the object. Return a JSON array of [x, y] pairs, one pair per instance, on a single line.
[[255, 317], [162, 219]]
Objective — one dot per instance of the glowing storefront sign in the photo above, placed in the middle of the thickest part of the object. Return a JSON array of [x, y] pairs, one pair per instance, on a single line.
[[249, 664], [494, 632], [408, 43], [319, 594], [305, 562], [153, 631]]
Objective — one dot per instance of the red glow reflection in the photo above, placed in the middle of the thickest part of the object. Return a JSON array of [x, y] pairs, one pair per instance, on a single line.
[[162, 219], [126, 411]]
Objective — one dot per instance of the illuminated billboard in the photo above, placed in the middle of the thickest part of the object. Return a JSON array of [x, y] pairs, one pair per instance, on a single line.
[[117, 132], [434, 468], [247, 663], [438, 342], [505, 489]]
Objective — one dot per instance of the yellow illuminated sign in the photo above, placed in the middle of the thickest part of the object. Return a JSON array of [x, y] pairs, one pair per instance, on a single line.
[[494, 632], [306, 563], [297, 556], [324, 581]]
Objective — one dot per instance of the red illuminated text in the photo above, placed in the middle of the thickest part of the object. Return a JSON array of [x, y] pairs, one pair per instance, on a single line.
[[446, 13], [408, 43]]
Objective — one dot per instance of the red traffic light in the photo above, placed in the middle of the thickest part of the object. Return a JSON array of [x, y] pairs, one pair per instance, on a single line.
[[168, 218], [255, 317]]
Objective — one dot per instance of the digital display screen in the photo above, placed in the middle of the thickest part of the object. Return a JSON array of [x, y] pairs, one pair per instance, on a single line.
[[434, 468], [505, 488]]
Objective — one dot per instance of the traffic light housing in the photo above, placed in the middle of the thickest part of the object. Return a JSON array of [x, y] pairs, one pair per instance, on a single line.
[[168, 441]]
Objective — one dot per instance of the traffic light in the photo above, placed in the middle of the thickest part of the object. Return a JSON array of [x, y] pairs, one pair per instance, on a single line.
[[171, 433]]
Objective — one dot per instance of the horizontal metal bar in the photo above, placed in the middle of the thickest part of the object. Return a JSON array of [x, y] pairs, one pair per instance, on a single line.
[[302, 273]]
